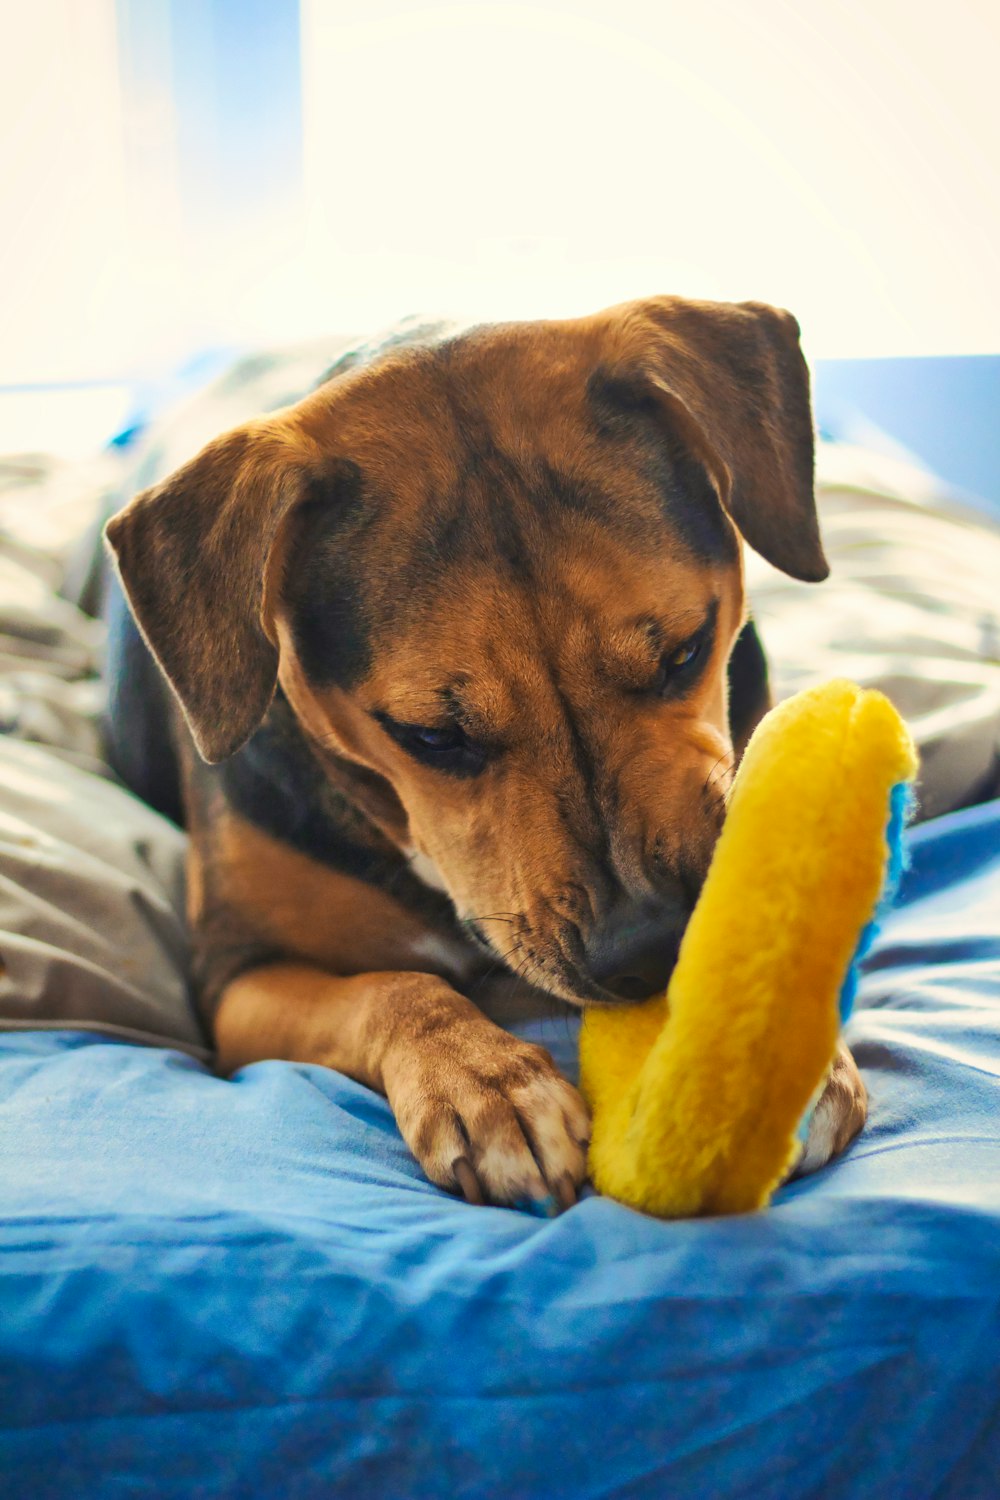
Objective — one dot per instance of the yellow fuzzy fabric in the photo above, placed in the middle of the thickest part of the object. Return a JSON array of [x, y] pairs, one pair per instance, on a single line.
[[697, 1096]]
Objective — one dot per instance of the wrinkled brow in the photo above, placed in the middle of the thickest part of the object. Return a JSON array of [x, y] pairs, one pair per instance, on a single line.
[[629, 652]]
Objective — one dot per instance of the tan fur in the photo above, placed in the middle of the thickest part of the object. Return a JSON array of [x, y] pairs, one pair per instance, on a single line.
[[341, 924], [660, 757], [347, 976]]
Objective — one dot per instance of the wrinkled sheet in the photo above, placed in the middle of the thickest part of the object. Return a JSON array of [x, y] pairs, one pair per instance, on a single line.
[[223, 1289], [92, 926]]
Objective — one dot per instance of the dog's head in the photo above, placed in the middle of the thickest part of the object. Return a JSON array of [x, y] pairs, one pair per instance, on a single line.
[[501, 575]]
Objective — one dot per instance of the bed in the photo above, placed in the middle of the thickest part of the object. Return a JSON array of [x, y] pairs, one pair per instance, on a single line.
[[227, 1288]]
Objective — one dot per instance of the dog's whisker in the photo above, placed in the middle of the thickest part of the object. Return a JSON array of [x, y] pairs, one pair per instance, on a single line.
[[503, 958], [501, 961], [730, 756]]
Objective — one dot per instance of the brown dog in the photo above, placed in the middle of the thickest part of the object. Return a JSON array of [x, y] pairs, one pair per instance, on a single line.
[[453, 637]]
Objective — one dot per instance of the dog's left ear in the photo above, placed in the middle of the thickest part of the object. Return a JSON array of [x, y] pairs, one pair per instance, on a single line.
[[734, 384], [199, 559]]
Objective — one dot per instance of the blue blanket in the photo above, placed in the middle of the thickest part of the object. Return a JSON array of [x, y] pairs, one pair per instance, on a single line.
[[246, 1288]]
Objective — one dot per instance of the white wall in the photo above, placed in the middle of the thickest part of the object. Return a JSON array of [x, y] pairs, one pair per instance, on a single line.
[[502, 159], [837, 156], [66, 279]]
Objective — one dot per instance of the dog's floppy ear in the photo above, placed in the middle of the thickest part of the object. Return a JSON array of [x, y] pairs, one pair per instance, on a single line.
[[197, 556], [733, 381]]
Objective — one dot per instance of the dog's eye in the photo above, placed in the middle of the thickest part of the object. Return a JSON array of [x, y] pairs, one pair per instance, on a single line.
[[436, 740], [447, 749], [679, 667], [685, 655]]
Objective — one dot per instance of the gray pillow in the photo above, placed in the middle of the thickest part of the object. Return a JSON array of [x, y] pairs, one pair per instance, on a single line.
[[92, 931], [912, 606]]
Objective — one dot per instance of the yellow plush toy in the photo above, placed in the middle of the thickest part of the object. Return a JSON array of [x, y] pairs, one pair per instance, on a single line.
[[698, 1097]]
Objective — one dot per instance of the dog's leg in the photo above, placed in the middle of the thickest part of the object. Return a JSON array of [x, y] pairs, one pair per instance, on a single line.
[[485, 1114], [839, 1115]]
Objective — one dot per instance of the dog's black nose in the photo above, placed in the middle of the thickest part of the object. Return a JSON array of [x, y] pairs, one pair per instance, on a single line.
[[634, 951]]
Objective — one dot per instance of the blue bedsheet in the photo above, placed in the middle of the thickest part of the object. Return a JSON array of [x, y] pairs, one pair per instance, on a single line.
[[226, 1289]]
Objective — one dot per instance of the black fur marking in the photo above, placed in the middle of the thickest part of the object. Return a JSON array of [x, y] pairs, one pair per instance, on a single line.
[[139, 723], [627, 412], [276, 783], [621, 405], [498, 514], [749, 689], [510, 542], [325, 591], [638, 524], [477, 524], [591, 832], [449, 539], [488, 516], [692, 504]]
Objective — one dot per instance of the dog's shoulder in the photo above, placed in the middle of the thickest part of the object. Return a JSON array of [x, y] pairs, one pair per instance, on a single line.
[[277, 786], [285, 862]]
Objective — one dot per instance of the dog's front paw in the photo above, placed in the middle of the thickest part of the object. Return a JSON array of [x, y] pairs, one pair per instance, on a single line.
[[839, 1115], [485, 1114]]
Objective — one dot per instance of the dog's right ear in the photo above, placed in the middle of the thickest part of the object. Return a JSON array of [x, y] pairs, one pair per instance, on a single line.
[[199, 559], [731, 380]]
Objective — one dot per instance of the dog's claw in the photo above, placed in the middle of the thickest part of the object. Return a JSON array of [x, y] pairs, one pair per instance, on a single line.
[[565, 1192], [467, 1180]]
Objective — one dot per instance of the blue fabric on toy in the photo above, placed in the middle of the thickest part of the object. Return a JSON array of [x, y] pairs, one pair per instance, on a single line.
[[901, 805]]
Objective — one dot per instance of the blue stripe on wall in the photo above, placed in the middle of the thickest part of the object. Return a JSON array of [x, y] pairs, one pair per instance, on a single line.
[[946, 410], [229, 72]]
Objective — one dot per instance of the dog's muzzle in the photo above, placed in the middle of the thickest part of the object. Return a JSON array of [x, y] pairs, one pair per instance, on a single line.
[[633, 953]]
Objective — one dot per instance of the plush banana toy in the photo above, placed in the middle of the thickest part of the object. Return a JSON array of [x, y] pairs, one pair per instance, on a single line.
[[699, 1098]]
